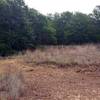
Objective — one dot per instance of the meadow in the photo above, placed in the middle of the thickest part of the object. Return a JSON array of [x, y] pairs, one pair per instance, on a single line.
[[52, 73]]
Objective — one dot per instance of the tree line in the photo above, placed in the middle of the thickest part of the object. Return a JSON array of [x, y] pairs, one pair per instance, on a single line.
[[24, 28]]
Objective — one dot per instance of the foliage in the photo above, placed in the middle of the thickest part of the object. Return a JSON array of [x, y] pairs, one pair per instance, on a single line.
[[24, 28]]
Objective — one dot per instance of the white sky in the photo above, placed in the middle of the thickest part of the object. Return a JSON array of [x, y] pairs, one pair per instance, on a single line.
[[52, 6]]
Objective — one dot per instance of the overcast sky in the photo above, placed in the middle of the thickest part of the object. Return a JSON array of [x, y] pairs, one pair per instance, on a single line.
[[52, 6]]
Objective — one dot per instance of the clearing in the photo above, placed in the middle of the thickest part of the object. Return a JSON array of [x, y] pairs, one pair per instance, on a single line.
[[57, 73]]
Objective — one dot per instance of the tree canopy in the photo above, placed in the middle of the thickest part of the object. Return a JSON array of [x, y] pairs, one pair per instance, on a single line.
[[22, 27]]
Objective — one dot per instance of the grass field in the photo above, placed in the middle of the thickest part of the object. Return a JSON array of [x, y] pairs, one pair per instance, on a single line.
[[52, 73]]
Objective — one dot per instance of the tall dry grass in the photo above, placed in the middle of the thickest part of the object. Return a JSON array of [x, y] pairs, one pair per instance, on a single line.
[[81, 54], [11, 85]]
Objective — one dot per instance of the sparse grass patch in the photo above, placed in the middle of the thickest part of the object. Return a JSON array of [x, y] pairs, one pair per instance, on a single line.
[[11, 86]]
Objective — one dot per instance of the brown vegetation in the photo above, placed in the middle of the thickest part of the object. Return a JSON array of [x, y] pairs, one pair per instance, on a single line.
[[11, 85], [52, 73], [86, 54]]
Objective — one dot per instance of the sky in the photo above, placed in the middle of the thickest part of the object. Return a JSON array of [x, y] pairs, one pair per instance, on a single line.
[[52, 6]]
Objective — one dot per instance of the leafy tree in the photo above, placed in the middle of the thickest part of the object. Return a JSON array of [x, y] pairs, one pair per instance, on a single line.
[[22, 27]]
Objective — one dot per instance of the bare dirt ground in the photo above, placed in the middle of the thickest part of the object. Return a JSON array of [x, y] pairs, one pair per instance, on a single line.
[[52, 82]]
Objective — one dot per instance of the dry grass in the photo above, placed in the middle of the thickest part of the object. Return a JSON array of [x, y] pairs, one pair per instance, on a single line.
[[86, 54], [80, 82], [11, 85]]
